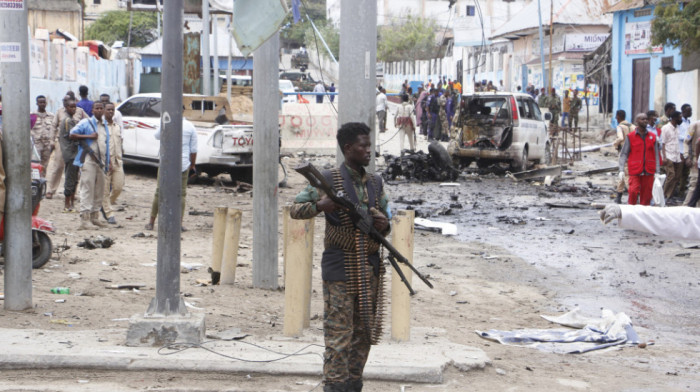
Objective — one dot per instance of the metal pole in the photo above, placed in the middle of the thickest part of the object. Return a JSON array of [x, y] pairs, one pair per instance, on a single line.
[[216, 55], [167, 300], [228, 69], [323, 41], [265, 159], [358, 75], [14, 75], [206, 58], [539, 14], [551, 40]]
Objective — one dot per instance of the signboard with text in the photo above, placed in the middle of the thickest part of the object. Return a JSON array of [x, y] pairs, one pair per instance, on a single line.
[[584, 42]]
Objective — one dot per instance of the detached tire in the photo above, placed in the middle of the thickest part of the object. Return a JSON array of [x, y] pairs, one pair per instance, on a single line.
[[41, 248]]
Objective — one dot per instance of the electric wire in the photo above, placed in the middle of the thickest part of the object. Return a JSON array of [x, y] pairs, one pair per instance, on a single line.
[[180, 347]]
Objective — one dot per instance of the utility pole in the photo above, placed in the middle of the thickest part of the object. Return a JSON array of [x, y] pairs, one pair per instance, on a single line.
[[14, 76], [166, 320], [551, 40], [168, 299], [539, 14], [228, 69], [206, 58], [266, 153], [358, 70], [216, 54]]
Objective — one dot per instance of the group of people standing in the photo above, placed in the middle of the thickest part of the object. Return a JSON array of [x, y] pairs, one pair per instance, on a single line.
[[568, 107], [83, 141], [435, 107], [653, 145]]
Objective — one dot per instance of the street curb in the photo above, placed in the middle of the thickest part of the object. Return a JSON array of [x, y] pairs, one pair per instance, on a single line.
[[423, 362]]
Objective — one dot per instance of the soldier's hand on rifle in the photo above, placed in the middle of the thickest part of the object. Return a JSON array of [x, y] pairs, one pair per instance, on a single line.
[[327, 205], [380, 220]]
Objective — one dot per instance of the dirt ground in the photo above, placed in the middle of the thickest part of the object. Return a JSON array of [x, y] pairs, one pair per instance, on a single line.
[[514, 259]]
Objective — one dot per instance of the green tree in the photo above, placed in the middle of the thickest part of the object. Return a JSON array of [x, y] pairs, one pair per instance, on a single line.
[[329, 33], [411, 39], [676, 24], [294, 35], [114, 26]]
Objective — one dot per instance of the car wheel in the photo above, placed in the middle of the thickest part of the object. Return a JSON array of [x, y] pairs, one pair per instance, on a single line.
[[520, 165], [244, 174], [547, 155]]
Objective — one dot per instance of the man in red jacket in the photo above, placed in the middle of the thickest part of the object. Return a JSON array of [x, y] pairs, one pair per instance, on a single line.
[[641, 153]]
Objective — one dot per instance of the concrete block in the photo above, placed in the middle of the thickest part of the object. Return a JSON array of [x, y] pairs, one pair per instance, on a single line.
[[158, 331]]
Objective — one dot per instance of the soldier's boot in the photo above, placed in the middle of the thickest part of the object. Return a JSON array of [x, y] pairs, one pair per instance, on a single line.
[[85, 221], [618, 198], [354, 385], [95, 219], [336, 387]]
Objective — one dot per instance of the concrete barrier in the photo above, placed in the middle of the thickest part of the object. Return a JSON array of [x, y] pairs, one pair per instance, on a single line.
[[310, 128]]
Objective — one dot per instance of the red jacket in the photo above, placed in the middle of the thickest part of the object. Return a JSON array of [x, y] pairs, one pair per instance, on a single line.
[[641, 159]]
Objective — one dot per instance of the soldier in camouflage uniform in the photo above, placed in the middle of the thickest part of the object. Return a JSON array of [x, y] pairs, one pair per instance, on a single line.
[[351, 267], [554, 105], [576, 106], [442, 117], [42, 132]]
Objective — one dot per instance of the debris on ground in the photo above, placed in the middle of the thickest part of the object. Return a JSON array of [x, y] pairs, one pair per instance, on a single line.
[[101, 242], [126, 286], [443, 227], [201, 213], [511, 220], [419, 166]]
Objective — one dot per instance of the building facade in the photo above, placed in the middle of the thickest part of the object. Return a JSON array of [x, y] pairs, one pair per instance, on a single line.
[[641, 71]]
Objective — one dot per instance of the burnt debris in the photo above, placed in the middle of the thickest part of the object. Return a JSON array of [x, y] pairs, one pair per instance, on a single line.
[[421, 167]]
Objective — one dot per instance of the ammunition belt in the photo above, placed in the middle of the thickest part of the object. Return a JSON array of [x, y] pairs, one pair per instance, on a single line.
[[358, 271]]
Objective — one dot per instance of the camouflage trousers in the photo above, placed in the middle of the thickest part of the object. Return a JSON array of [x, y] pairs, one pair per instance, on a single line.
[[345, 335], [573, 119]]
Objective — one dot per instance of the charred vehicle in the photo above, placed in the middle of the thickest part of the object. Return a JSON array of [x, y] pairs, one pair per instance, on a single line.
[[500, 127]]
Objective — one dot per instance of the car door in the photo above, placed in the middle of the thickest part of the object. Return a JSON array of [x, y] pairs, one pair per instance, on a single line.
[[539, 133], [131, 112], [147, 145]]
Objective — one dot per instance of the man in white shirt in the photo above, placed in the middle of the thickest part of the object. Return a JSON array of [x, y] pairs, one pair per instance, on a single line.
[[381, 109], [683, 137], [673, 165], [189, 157], [319, 89]]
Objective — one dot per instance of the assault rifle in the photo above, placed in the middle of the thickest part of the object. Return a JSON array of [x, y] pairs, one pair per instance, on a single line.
[[361, 219], [87, 150]]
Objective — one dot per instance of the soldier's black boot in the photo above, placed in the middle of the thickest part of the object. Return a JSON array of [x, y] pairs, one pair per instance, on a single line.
[[618, 198], [354, 385], [336, 387]]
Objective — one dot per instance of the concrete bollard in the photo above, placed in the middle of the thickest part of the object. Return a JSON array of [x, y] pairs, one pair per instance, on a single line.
[[231, 240], [217, 249], [402, 239], [298, 256]]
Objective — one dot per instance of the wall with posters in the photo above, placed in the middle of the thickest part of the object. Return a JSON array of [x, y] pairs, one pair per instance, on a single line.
[[632, 41], [58, 66]]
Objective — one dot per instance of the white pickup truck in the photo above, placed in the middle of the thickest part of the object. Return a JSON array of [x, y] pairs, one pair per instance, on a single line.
[[222, 148]]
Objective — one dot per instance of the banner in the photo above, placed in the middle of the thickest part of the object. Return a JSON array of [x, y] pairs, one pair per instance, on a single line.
[[584, 42], [638, 39]]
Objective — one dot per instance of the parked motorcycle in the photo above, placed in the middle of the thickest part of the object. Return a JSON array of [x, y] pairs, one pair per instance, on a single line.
[[41, 242]]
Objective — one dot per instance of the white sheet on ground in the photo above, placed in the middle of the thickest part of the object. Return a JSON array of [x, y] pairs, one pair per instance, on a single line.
[[590, 333]]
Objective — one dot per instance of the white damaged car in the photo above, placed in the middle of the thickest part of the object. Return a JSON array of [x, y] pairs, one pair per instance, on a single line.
[[223, 147]]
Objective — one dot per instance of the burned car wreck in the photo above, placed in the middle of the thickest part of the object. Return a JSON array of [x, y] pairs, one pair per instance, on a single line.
[[500, 127]]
